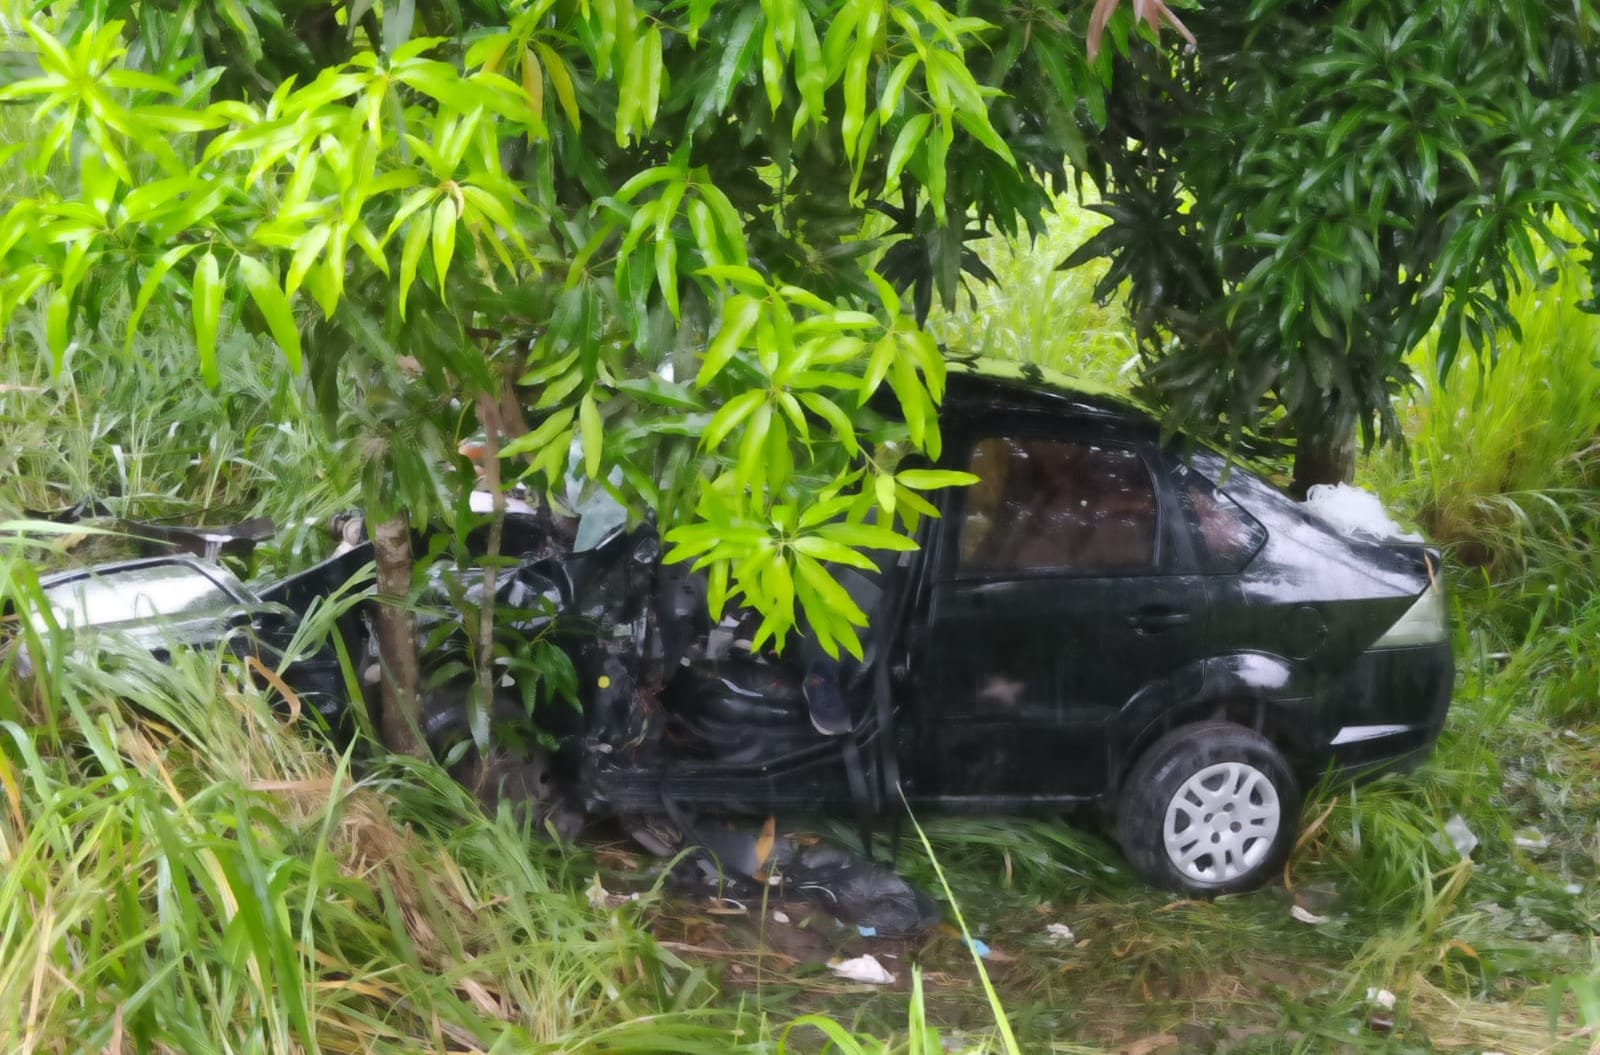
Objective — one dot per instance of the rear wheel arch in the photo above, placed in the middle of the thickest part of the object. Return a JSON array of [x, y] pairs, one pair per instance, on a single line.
[[1254, 711]]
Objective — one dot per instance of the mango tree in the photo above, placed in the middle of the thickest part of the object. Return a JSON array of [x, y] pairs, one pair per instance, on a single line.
[[1314, 187], [691, 240]]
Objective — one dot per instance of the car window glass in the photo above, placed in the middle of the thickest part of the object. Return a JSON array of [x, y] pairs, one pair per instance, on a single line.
[[151, 592], [1225, 536], [1055, 505]]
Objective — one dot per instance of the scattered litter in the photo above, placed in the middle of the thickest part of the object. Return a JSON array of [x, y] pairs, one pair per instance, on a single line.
[[1531, 839], [1305, 915], [867, 932], [1060, 932], [1382, 997], [1461, 836], [1351, 510], [977, 945], [862, 969], [597, 893], [1151, 1044], [780, 917], [1573, 888]]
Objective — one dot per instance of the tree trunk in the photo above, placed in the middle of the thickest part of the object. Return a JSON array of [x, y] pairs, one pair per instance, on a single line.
[[397, 638], [489, 414], [1322, 455]]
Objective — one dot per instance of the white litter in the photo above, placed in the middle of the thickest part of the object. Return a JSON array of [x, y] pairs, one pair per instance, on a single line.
[[1352, 511], [1060, 932], [1461, 836], [1382, 997], [862, 969], [1305, 915], [1531, 839], [780, 917]]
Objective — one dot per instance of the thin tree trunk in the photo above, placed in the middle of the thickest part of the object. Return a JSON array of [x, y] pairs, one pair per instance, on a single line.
[[397, 638], [489, 412], [1322, 455]]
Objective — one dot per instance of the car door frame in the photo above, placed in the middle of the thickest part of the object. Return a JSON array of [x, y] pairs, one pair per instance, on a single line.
[[942, 546]]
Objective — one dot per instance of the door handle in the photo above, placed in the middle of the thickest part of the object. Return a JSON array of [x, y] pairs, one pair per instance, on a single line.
[[1156, 618]]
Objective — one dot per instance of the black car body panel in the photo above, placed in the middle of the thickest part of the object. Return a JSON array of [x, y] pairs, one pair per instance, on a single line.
[[1096, 590]]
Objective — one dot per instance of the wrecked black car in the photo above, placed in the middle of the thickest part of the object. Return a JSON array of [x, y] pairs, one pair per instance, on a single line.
[[1102, 620]]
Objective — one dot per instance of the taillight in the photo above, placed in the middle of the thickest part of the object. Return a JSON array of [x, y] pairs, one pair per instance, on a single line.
[[1426, 622]]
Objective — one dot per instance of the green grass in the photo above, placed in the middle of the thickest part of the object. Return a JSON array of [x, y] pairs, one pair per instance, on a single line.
[[1037, 313]]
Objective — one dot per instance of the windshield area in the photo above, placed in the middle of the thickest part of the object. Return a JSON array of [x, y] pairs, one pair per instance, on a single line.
[[158, 591]]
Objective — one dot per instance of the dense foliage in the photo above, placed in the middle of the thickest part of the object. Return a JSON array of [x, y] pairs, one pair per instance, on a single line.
[[694, 239], [1316, 186]]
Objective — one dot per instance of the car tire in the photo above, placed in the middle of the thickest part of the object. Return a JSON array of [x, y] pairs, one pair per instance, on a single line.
[[1209, 809]]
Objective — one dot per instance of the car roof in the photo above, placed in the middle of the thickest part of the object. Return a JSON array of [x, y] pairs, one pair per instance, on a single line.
[[1006, 384]]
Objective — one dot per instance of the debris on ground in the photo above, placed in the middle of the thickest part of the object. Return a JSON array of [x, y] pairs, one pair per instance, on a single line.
[[1060, 932], [1305, 915], [865, 969], [1461, 837], [854, 890], [598, 896]]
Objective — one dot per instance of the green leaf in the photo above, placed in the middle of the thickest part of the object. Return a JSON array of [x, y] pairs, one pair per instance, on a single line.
[[305, 255], [207, 306], [883, 485], [739, 315], [58, 317], [541, 436], [411, 256], [911, 136], [828, 550], [591, 433], [151, 283], [274, 307], [728, 417], [752, 468], [933, 479], [836, 418], [667, 271], [655, 76], [555, 67], [444, 238], [866, 536], [979, 128], [828, 590], [889, 101]]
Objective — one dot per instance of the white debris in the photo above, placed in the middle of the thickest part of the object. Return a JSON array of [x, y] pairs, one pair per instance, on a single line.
[[1305, 915], [1461, 836], [862, 969], [1352, 511], [1060, 932], [597, 893], [780, 917], [1531, 839], [1382, 997]]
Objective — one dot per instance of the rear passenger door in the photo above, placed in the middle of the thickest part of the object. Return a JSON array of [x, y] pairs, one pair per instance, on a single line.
[[1055, 600]]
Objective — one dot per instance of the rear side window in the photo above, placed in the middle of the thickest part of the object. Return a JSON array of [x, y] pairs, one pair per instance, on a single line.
[[1225, 536], [1056, 505]]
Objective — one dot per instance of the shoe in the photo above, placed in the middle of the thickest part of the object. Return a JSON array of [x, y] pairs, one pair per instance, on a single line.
[[829, 713]]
